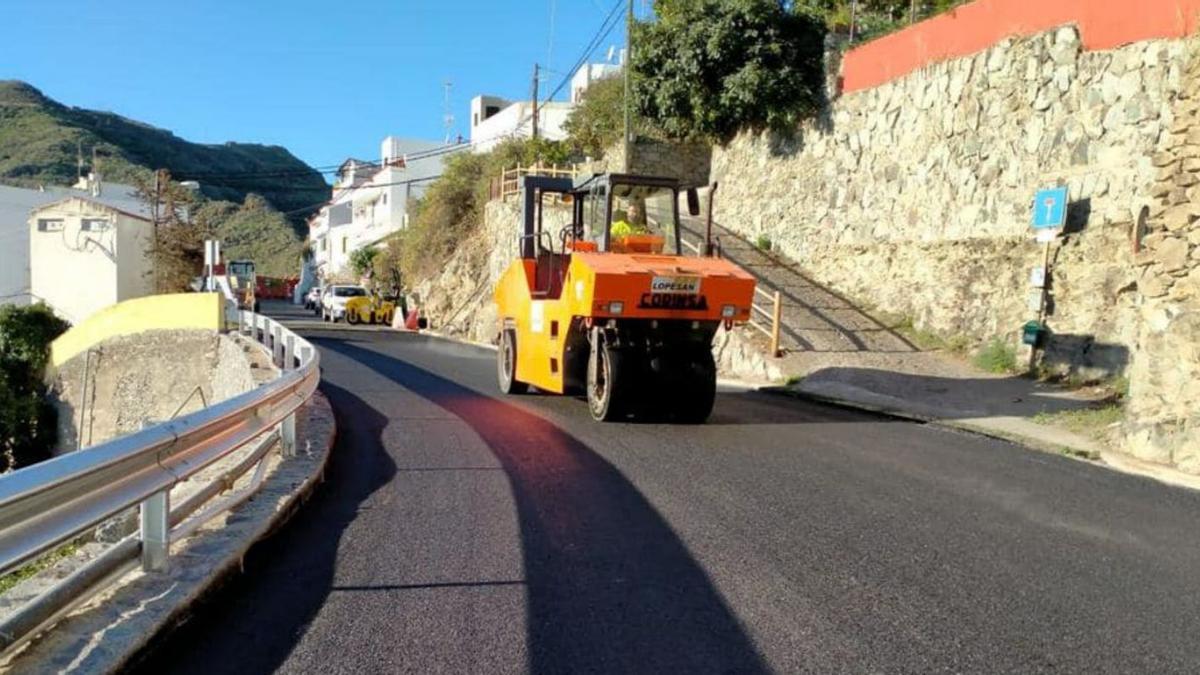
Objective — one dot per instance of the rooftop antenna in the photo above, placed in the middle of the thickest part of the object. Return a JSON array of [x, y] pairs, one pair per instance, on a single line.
[[447, 115]]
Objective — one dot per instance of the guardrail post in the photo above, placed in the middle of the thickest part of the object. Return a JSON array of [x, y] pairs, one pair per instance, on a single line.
[[776, 318], [155, 531], [287, 435], [289, 352], [277, 344]]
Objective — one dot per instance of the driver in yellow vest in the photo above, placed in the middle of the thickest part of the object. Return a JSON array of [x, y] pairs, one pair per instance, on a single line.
[[634, 222]]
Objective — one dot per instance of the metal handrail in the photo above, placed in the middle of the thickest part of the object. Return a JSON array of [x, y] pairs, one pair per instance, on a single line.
[[52, 502], [774, 315]]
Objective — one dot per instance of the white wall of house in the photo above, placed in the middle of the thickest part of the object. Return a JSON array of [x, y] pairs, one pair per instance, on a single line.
[[516, 121], [587, 75], [16, 204], [85, 256]]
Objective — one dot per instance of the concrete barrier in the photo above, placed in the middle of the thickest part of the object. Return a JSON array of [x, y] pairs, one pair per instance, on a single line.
[[177, 310]]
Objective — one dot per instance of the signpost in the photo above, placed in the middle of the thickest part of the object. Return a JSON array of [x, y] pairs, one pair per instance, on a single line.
[[1049, 217]]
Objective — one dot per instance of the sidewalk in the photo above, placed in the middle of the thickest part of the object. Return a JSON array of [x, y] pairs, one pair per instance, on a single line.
[[838, 352]]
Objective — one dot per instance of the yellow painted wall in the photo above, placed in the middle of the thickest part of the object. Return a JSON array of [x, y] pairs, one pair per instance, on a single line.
[[153, 312]]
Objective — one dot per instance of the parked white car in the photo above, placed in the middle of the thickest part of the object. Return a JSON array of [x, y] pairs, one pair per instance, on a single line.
[[333, 301]]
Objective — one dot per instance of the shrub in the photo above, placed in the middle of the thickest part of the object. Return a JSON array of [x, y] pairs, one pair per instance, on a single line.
[[453, 206], [997, 356], [28, 423], [763, 243]]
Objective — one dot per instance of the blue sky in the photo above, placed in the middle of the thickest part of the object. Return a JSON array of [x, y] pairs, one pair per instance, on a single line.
[[325, 79]]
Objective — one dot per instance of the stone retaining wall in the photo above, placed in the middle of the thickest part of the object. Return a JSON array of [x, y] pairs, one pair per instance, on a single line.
[[915, 197], [1164, 398]]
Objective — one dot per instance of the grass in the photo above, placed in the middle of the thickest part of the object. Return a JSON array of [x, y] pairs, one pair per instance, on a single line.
[[925, 340], [1092, 422], [763, 243], [997, 356], [8, 581]]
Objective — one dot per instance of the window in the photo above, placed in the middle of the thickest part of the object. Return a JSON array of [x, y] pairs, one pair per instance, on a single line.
[[50, 224], [93, 224], [643, 220], [475, 120], [344, 240], [324, 244], [490, 110], [385, 198], [349, 291]]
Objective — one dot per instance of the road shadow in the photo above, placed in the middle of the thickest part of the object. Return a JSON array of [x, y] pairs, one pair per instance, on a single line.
[[810, 309], [287, 577], [610, 587], [947, 397]]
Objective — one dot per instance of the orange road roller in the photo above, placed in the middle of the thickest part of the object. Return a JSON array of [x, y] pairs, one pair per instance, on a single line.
[[602, 301]]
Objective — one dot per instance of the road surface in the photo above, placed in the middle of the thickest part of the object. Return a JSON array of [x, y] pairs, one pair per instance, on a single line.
[[459, 531]]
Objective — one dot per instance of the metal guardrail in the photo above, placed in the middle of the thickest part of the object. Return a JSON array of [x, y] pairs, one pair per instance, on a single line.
[[47, 504]]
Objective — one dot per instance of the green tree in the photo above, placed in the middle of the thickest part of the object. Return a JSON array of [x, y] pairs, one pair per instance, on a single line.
[[362, 260], [177, 243], [597, 122], [708, 68], [28, 423]]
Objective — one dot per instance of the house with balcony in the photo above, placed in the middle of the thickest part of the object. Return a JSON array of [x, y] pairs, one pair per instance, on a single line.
[[370, 201]]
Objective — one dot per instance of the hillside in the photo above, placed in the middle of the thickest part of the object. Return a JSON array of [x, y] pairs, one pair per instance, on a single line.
[[39, 138]]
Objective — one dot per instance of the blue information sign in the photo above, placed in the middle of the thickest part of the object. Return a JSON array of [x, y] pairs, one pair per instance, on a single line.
[[1050, 208]]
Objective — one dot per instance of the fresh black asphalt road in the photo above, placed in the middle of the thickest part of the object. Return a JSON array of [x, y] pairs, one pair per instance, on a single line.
[[460, 531]]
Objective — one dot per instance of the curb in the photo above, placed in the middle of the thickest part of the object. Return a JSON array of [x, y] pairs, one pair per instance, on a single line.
[[1112, 461], [932, 420], [123, 623]]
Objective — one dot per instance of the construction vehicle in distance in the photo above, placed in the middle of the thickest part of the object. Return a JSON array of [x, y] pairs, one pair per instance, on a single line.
[[243, 282], [607, 304]]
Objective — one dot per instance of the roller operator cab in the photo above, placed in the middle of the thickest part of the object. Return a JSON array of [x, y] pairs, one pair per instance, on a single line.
[[602, 301]]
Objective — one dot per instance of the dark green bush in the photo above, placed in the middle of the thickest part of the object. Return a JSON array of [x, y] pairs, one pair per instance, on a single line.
[[28, 424]]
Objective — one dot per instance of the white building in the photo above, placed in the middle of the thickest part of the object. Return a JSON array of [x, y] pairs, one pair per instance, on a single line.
[[589, 73], [370, 201], [494, 119], [90, 251], [16, 205]]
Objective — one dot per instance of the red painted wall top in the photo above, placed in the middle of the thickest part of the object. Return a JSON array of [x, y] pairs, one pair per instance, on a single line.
[[972, 28]]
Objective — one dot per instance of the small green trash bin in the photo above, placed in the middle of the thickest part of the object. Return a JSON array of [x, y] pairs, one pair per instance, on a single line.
[[1032, 332]]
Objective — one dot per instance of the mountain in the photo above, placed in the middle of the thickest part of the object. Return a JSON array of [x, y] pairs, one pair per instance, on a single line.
[[40, 140]]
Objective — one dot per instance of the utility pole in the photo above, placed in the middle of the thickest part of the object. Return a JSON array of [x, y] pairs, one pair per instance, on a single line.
[[626, 67], [447, 114], [78, 161], [535, 101], [912, 12]]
